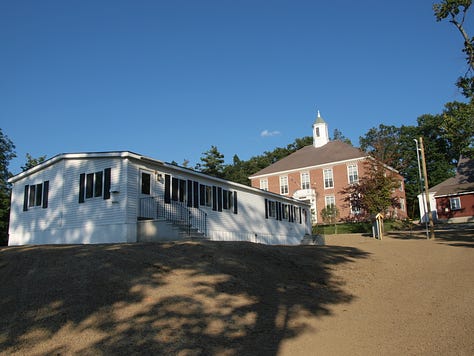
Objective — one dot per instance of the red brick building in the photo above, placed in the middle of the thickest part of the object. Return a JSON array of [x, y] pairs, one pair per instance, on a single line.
[[319, 172], [453, 199]]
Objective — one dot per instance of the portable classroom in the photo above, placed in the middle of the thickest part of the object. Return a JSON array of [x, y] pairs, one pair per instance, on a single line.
[[119, 197]]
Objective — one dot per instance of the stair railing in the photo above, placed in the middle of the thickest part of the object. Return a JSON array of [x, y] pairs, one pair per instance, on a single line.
[[176, 212]]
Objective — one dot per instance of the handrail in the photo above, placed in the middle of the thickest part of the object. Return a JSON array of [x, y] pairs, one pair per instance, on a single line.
[[175, 211]]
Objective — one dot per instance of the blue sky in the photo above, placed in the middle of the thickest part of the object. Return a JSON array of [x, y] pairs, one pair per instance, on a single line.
[[168, 79]]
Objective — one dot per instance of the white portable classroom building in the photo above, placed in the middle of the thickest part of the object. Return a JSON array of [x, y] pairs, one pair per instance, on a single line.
[[118, 197]]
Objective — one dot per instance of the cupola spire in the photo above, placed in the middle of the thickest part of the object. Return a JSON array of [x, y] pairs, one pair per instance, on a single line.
[[320, 131]]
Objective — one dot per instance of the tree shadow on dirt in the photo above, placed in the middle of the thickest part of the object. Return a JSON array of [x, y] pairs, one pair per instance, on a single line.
[[452, 237], [194, 298]]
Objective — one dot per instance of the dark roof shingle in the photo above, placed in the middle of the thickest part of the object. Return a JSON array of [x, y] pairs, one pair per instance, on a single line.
[[309, 156]]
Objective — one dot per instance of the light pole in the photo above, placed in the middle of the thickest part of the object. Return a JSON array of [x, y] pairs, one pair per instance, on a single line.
[[423, 199]]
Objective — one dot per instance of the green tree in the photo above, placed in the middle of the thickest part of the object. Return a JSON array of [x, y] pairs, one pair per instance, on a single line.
[[330, 215], [455, 11], [457, 125], [338, 136], [238, 171], [373, 193], [382, 144], [31, 162], [213, 163], [7, 153]]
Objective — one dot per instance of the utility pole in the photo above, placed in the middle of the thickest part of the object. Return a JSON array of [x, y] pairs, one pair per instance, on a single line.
[[427, 193], [423, 199]]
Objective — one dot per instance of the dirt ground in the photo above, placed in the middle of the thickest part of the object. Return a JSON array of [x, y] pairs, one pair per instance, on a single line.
[[403, 295]]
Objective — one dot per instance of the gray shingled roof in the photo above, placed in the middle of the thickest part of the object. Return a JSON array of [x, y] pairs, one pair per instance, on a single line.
[[462, 182], [310, 156]]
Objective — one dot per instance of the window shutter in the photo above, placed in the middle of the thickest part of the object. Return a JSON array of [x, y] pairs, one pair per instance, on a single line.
[[45, 194], [82, 182], [25, 198], [300, 214], [236, 209], [107, 182], [167, 189], [189, 196], [196, 194], [278, 210], [219, 199], [214, 197], [266, 208]]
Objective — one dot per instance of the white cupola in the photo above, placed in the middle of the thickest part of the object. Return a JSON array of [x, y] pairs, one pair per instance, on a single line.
[[320, 132]]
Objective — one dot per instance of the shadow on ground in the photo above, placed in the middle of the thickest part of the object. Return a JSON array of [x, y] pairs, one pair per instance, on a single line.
[[455, 235], [190, 298]]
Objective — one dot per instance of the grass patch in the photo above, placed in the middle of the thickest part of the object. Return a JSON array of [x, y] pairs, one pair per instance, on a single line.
[[359, 227]]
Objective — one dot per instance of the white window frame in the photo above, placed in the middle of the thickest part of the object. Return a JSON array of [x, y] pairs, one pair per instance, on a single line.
[[284, 185], [264, 184], [329, 200], [305, 180], [355, 211], [328, 178], [455, 203], [352, 173], [272, 209], [402, 204], [35, 195]]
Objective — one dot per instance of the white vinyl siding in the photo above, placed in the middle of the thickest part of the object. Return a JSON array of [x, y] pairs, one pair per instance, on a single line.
[[115, 220]]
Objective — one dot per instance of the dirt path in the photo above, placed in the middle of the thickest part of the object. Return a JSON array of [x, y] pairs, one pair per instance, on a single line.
[[411, 297], [356, 295]]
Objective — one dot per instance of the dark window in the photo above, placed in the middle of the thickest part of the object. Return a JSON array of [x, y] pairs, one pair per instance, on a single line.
[[167, 188], [214, 197], [235, 203], [196, 194], [39, 194], [25, 198], [208, 196], [272, 209], [182, 190], [146, 183], [174, 189], [45, 194], [98, 184], [225, 196], [94, 185], [89, 185], [107, 181], [219, 199], [82, 184], [32, 195], [190, 193], [202, 194]]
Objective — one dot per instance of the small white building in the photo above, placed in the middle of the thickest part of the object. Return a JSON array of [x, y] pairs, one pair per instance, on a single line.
[[114, 197]]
